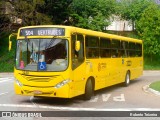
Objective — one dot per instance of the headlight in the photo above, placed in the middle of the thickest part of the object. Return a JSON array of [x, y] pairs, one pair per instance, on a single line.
[[19, 83], [64, 82]]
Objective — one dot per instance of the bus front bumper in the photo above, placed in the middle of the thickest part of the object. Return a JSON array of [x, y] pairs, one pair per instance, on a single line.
[[62, 92]]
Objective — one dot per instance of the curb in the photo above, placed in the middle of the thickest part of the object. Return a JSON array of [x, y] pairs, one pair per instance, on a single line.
[[154, 91], [148, 89]]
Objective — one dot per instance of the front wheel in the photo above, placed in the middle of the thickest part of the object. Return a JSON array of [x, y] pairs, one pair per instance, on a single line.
[[127, 79], [88, 90]]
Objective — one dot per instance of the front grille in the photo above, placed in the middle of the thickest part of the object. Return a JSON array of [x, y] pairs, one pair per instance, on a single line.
[[39, 78]]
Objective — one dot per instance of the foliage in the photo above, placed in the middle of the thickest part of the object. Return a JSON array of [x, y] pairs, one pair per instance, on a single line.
[[58, 10], [144, 16], [6, 57], [152, 65], [29, 13], [132, 10], [38, 12], [4, 23], [4, 19], [92, 14], [148, 28]]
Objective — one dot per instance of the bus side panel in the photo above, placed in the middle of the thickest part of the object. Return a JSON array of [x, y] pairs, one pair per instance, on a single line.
[[136, 67], [99, 72], [79, 78], [108, 72], [117, 71]]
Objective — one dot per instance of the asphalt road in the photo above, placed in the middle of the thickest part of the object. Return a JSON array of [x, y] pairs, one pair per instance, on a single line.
[[135, 97]]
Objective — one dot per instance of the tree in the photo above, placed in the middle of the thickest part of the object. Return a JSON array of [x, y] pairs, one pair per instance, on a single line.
[[4, 17], [92, 14], [148, 28], [29, 13], [132, 10], [4, 23], [58, 10]]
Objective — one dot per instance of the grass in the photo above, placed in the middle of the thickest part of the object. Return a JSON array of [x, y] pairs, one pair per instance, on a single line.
[[153, 64], [155, 86]]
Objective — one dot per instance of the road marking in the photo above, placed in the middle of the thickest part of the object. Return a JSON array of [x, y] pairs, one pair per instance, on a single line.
[[107, 97], [9, 79], [94, 99], [77, 109], [120, 98], [3, 93], [6, 78]]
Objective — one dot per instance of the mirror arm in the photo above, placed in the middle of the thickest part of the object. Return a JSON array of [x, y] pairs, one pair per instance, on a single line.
[[10, 42]]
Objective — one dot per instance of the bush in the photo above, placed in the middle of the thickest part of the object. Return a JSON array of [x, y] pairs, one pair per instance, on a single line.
[[6, 57]]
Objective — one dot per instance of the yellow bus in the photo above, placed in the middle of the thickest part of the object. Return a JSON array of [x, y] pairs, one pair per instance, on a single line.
[[65, 61]]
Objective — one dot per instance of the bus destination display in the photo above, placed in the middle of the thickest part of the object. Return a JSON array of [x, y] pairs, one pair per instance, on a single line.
[[42, 32]]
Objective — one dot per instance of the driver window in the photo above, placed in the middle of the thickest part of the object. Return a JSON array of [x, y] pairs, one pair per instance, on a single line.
[[77, 56]]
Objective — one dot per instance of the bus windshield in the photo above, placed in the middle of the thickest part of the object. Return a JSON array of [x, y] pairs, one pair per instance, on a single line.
[[42, 54]]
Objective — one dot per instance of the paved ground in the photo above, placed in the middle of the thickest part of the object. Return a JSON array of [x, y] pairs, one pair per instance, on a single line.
[[116, 98], [5, 74]]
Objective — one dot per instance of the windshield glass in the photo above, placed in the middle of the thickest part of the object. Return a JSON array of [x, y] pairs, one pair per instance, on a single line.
[[42, 54]]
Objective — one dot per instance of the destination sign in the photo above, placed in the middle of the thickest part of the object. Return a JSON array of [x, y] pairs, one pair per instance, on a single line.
[[42, 32]]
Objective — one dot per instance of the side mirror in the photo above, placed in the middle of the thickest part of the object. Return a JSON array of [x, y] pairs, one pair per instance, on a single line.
[[10, 42], [77, 46], [10, 45]]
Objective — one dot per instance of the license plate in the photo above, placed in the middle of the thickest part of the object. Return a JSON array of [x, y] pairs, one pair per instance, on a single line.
[[37, 92]]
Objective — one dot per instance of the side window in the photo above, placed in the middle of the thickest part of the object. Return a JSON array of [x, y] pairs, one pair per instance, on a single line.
[[131, 51], [92, 47], [105, 48], [77, 56], [124, 48], [115, 49], [138, 51]]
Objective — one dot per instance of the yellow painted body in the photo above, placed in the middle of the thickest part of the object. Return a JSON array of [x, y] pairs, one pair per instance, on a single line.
[[105, 71]]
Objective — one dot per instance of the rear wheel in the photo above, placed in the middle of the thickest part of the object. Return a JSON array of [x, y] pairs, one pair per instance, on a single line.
[[127, 79], [88, 90]]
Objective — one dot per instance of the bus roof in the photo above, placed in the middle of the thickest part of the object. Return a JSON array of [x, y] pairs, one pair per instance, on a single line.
[[87, 32]]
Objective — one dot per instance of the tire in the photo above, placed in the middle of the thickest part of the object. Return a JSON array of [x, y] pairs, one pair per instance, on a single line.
[[127, 79], [88, 90]]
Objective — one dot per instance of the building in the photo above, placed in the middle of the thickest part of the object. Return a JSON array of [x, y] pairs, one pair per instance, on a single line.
[[119, 25], [157, 1]]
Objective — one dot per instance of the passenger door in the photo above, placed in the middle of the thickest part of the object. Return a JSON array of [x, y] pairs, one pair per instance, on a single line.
[[78, 65]]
